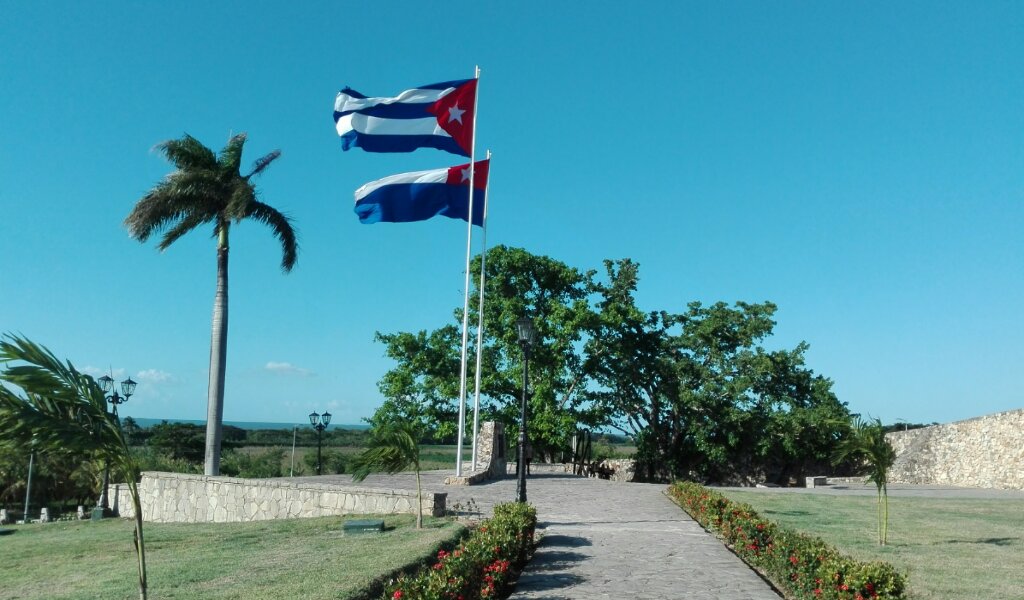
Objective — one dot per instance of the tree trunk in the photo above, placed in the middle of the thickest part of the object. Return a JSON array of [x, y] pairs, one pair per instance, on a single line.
[[218, 357], [878, 516], [140, 546], [885, 514], [419, 499]]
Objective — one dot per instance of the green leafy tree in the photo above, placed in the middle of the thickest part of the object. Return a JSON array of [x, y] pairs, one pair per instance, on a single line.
[[178, 441], [392, 447], [208, 188], [424, 385], [868, 445], [132, 432], [64, 410], [701, 395]]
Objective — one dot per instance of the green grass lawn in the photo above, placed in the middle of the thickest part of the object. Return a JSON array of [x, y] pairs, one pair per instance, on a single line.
[[950, 548], [295, 558]]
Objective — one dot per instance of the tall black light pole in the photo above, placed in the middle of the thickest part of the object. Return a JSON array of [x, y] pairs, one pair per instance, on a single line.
[[127, 388], [526, 334], [319, 422]]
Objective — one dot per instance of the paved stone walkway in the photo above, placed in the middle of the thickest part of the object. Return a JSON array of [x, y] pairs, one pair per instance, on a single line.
[[605, 540]]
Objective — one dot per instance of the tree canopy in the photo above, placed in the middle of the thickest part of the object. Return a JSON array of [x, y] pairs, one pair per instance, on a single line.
[[698, 391]]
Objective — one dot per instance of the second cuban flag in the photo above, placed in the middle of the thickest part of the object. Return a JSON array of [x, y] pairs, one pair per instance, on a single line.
[[422, 195], [438, 115]]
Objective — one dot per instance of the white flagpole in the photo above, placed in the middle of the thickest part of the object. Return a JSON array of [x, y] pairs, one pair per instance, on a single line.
[[480, 321], [465, 303]]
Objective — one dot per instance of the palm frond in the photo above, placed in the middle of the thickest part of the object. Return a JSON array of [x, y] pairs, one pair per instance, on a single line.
[[188, 153], [283, 230], [391, 448], [175, 198], [242, 196], [263, 162], [185, 225], [230, 157], [61, 408]]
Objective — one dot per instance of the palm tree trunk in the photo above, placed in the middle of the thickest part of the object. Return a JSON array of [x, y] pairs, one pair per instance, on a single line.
[[885, 514], [218, 356], [878, 516], [140, 546], [419, 499]]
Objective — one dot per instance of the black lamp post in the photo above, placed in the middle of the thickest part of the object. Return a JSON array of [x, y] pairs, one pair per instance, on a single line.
[[319, 422], [526, 334], [127, 388]]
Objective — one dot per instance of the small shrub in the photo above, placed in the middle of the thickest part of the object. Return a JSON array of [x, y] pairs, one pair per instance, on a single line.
[[257, 465], [333, 462], [481, 566], [803, 565]]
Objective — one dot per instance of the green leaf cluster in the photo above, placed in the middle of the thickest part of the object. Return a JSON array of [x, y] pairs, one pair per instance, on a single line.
[[61, 410]]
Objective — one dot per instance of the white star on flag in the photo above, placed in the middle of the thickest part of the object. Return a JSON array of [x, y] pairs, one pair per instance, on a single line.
[[465, 174], [454, 114]]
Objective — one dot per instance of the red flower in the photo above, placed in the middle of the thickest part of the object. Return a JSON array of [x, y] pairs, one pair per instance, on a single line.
[[397, 595], [817, 591], [438, 567]]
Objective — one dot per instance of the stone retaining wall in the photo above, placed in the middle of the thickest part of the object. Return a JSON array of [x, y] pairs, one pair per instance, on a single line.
[[181, 498], [984, 452]]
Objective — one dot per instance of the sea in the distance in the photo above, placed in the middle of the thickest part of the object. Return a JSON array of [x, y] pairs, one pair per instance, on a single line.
[[142, 422]]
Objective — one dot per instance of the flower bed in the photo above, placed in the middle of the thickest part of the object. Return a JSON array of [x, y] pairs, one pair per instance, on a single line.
[[481, 566], [804, 566]]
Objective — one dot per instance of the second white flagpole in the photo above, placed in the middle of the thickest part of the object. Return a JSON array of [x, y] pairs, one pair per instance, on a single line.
[[465, 303], [480, 313]]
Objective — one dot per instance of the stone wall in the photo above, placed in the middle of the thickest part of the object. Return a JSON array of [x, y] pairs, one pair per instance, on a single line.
[[984, 452], [490, 457], [181, 498]]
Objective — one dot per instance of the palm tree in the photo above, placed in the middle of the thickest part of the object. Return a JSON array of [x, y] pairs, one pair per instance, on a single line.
[[63, 410], [208, 188], [868, 445], [392, 447]]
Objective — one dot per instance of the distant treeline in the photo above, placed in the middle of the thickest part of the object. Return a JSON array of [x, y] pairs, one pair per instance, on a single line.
[[176, 438]]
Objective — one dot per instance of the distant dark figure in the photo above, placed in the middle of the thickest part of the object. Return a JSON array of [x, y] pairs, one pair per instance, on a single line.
[[527, 457]]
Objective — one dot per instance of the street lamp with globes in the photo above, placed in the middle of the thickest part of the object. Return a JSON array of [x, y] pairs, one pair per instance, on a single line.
[[127, 388], [319, 422], [526, 335]]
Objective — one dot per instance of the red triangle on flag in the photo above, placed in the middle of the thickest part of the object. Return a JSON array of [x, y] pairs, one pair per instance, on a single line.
[[454, 112], [460, 175]]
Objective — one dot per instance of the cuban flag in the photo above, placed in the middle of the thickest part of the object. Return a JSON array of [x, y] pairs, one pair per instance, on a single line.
[[422, 195], [438, 115]]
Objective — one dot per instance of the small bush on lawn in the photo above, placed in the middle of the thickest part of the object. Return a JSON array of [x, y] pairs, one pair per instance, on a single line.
[[481, 566], [803, 565]]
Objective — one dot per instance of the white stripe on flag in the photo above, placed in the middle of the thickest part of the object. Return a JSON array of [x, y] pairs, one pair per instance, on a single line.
[[432, 176], [377, 126], [345, 102]]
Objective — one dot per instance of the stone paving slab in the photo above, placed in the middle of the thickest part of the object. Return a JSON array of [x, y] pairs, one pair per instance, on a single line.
[[605, 540]]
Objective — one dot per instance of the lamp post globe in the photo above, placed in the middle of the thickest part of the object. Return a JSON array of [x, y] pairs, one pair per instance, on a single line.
[[525, 333]]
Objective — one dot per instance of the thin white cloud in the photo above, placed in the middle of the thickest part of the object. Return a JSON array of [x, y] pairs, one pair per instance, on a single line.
[[154, 376], [284, 368]]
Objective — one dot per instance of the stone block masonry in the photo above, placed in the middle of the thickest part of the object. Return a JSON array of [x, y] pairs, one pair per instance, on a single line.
[[984, 452], [182, 498]]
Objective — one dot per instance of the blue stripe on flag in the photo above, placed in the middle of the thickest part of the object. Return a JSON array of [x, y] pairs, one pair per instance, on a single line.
[[399, 143], [399, 110], [407, 202]]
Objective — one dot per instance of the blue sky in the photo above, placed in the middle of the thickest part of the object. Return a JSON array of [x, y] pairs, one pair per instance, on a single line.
[[859, 164]]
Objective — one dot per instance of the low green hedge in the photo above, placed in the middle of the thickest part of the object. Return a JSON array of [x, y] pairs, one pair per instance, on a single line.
[[802, 565], [481, 566]]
